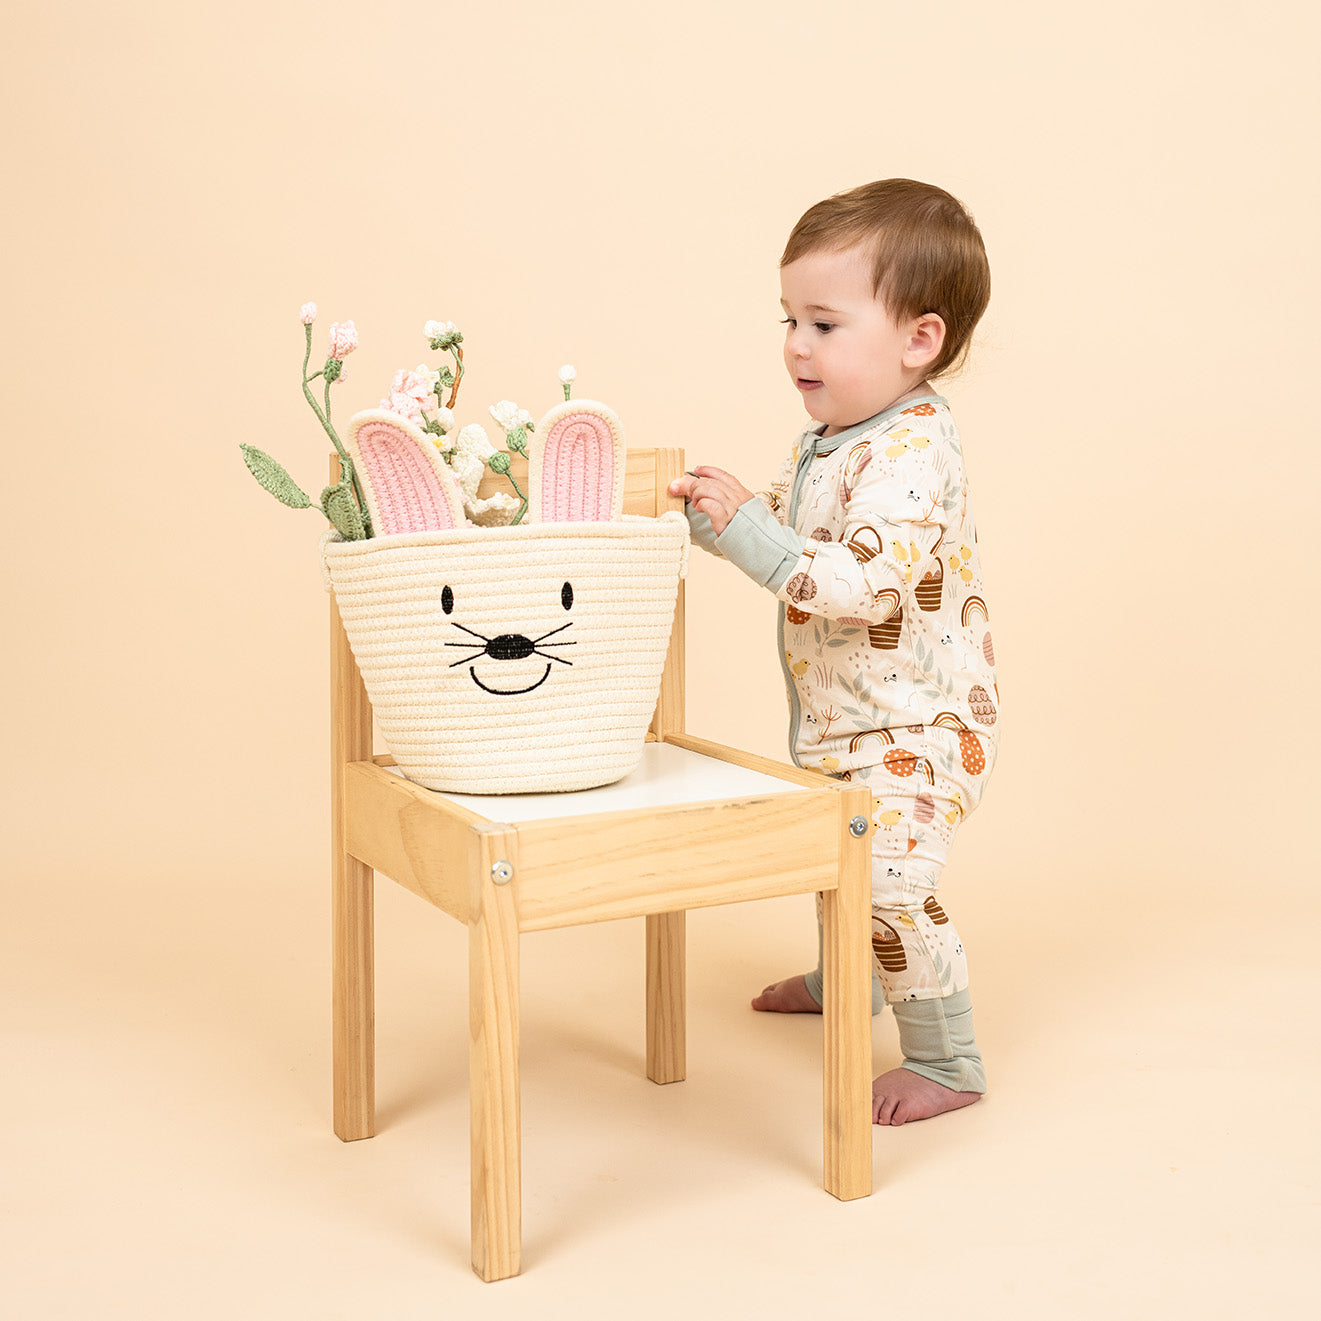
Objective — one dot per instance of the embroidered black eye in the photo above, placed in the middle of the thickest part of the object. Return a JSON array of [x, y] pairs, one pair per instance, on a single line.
[[566, 596], [447, 600]]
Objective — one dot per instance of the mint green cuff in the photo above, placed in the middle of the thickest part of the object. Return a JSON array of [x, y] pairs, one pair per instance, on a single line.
[[938, 1042], [700, 530], [759, 544]]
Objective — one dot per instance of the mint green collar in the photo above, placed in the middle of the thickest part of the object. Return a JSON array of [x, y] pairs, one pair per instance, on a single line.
[[829, 444]]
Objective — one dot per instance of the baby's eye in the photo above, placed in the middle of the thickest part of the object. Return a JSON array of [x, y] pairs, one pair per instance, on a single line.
[[824, 327], [790, 322]]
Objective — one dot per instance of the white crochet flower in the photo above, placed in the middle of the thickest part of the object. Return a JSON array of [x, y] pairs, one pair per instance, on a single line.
[[496, 510], [439, 329], [445, 416], [308, 313], [568, 374], [509, 415], [471, 450]]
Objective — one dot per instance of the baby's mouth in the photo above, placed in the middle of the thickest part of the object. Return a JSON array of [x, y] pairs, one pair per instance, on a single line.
[[805, 384]]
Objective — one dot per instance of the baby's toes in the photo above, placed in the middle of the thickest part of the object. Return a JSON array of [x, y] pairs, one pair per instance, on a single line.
[[882, 1107]]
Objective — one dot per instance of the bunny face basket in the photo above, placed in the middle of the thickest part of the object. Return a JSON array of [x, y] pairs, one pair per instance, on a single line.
[[517, 659]]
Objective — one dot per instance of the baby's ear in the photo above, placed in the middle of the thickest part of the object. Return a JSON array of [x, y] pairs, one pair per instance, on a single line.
[[407, 485], [576, 461]]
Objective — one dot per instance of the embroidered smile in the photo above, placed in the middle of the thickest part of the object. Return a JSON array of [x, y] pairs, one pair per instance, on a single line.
[[510, 646]]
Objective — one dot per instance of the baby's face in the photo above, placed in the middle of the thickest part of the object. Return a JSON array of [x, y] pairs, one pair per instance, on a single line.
[[845, 355]]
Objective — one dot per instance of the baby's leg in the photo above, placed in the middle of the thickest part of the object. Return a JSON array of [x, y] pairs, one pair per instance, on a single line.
[[919, 959], [802, 994], [942, 1068]]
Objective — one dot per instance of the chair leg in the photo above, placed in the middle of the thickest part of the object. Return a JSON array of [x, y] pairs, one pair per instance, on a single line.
[[493, 992], [846, 923], [353, 992], [353, 999], [666, 1013]]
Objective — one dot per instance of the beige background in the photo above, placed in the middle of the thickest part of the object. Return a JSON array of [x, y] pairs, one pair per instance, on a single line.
[[594, 183]]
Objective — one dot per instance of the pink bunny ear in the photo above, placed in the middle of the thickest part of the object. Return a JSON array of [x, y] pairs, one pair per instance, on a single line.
[[576, 462], [405, 482]]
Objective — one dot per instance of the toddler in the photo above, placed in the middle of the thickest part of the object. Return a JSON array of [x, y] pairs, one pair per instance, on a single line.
[[867, 539]]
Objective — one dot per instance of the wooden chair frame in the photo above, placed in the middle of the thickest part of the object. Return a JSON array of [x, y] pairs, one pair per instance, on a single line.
[[505, 878]]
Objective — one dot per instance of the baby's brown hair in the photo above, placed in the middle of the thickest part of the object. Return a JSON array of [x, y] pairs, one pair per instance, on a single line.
[[927, 254]]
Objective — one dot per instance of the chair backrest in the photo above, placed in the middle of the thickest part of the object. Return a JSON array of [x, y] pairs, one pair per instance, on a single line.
[[646, 477], [646, 491]]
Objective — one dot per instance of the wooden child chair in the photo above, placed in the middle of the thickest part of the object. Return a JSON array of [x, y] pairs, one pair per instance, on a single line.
[[697, 824]]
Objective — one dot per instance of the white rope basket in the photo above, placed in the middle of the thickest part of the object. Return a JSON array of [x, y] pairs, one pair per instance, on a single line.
[[514, 659]]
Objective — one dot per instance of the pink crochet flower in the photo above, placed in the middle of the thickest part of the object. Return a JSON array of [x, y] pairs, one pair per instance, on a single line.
[[406, 405], [308, 313], [420, 383], [343, 339]]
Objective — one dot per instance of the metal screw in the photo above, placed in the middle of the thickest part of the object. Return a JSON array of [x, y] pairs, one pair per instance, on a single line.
[[502, 873], [858, 827]]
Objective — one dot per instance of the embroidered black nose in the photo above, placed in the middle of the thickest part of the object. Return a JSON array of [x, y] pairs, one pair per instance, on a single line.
[[510, 646]]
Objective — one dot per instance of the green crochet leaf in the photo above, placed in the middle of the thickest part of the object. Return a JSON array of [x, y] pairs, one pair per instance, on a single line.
[[274, 478], [338, 505]]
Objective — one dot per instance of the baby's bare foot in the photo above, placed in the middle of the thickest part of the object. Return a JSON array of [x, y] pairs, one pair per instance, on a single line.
[[790, 996], [902, 1096]]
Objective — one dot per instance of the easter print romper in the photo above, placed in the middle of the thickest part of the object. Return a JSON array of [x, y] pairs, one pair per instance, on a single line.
[[868, 540]]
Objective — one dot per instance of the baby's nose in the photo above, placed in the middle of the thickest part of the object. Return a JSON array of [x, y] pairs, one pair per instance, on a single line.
[[510, 646]]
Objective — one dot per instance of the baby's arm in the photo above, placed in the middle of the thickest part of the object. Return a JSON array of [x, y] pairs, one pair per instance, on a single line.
[[717, 499], [713, 492], [894, 521], [729, 520]]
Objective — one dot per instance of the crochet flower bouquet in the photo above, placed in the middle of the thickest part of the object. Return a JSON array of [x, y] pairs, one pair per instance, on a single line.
[[512, 643]]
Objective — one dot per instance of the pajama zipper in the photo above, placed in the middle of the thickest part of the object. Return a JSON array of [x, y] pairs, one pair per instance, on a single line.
[[795, 706]]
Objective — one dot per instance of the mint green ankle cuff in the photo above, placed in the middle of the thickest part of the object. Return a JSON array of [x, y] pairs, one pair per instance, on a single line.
[[937, 1039], [815, 985], [814, 978]]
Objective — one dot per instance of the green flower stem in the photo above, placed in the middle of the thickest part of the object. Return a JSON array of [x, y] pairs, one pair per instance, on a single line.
[[325, 422], [522, 509], [346, 463]]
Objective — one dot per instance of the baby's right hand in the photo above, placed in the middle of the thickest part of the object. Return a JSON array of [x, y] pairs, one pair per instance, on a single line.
[[713, 492]]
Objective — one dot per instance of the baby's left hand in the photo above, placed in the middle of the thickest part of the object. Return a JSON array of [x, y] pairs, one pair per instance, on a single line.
[[713, 492]]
